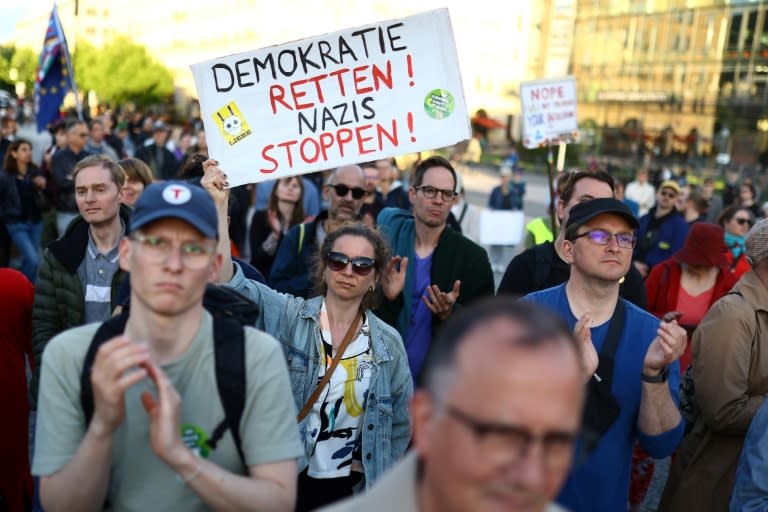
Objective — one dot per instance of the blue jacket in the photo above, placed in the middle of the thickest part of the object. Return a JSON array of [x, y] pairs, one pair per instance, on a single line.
[[600, 482], [659, 239], [292, 267], [750, 492], [295, 323], [516, 192]]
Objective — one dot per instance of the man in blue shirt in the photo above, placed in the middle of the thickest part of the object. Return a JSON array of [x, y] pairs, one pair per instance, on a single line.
[[641, 378], [441, 269], [750, 492]]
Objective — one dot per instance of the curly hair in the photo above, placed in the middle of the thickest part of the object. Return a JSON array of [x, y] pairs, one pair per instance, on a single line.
[[381, 253]]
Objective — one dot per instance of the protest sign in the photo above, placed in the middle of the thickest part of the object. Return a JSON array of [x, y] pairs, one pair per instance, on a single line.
[[385, 89], [501, 227], [549, 112]]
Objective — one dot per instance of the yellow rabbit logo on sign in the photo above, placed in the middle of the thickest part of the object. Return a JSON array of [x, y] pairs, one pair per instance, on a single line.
[[231, 123]]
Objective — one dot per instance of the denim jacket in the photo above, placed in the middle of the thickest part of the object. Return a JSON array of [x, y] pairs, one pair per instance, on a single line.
[[386, 429], [750, 492]]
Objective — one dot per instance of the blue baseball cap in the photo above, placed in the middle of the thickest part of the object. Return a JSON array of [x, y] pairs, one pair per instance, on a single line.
[[177, 200]]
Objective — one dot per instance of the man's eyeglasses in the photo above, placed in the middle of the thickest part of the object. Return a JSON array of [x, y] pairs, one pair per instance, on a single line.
[[361, 265], [509, 444], [670, 195], [603, 237], [742, 220], [343, 190], [194, 255], [431, 192]]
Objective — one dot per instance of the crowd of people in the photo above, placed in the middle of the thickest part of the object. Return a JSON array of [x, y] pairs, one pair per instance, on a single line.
[[336, 340]]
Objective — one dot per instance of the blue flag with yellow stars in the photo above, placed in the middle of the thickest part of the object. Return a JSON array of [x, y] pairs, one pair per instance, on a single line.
[[54, 74]]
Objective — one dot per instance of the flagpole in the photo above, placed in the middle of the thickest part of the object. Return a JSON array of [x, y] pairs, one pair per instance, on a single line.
[[70, 69]]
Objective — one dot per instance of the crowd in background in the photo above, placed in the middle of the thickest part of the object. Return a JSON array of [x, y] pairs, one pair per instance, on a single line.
[[696, 251]]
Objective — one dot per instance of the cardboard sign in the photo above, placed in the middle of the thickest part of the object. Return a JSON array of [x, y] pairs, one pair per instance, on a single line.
[[549, 112], [365, 93], [501, 227]]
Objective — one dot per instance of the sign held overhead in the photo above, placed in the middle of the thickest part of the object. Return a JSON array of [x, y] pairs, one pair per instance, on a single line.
[[549, 112], [364, 93]]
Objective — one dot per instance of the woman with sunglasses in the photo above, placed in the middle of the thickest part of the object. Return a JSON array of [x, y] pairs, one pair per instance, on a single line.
[[736, 220], [356, 424]]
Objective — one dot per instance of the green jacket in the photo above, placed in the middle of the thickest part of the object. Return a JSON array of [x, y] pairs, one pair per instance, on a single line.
[[59, 295]]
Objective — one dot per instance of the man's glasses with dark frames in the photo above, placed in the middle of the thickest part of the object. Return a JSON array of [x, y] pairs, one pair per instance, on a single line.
[[343, 190], [431, 192], [499, 443]]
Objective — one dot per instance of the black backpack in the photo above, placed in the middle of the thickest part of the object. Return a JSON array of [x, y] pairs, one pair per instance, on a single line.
[[231, 311]]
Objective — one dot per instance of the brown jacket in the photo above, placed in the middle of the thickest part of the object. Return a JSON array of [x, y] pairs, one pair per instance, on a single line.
[[730, 373]]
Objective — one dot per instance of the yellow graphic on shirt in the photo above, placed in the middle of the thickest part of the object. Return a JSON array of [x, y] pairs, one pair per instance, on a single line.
[[353, 407], [231, 123]]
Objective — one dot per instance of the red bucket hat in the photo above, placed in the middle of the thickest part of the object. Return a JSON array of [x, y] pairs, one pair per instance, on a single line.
[[704, 246]]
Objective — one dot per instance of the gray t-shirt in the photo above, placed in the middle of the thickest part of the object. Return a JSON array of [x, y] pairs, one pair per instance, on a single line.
[[139, 480]]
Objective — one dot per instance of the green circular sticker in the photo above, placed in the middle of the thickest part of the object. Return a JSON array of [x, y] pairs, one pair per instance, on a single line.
[[195, 439], [439, 104]]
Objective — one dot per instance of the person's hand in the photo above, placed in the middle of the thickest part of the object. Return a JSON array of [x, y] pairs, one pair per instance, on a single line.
[[589, 357], [666, 348], [441, 303], [393, 280], [39, 181], [273, 221], [111, 375], [215, 182], [164, 416]]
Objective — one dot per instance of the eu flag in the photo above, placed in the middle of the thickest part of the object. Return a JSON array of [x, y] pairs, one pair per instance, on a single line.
[[54, 74]]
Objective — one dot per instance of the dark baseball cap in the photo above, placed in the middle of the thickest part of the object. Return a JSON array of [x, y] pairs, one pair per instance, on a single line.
[[588, 210], [177, 200]]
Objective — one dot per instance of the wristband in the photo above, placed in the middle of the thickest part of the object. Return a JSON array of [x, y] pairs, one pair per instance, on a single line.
[[662, 376]]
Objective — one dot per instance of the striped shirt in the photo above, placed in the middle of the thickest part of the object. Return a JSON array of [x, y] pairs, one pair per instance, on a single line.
[[96, 272]]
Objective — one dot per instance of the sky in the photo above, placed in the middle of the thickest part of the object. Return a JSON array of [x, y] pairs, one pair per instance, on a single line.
[[11, 11]]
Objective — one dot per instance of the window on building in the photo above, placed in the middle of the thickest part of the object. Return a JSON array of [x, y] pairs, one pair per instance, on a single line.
[[749, 30], [91, 12], [734, 30]]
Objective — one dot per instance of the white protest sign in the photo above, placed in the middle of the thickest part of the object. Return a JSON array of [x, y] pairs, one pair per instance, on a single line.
[[380, 90], [549, 112], [501, 227]]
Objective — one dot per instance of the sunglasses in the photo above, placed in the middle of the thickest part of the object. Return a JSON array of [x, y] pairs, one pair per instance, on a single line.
[[343, 190], [602, 237], [670, 195], [361, 265], [741, 221]]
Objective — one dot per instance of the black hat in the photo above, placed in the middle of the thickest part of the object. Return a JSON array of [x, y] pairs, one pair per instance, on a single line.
[[588, 210]]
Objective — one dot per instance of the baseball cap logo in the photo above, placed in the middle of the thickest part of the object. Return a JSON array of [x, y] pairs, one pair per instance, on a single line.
[[177, 194]]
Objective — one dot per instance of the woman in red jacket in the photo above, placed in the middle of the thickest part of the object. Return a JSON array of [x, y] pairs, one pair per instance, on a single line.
[[689, 282], [736, 221]]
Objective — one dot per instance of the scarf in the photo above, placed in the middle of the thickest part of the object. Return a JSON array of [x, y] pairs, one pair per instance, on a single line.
[[735, 244]]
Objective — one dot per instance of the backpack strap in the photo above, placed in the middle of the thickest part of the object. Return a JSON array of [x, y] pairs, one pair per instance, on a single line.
[[229, 350], [115, 326], [543, 266]]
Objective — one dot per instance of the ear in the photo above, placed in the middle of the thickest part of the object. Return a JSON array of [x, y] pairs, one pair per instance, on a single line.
[[326, 191], [568, 251], [213, 276], [124, 252], [412, 195], [561, 212], [422, 413]]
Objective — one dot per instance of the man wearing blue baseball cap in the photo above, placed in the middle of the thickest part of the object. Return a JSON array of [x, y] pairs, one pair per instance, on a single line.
[[138, 421], [633, 374]]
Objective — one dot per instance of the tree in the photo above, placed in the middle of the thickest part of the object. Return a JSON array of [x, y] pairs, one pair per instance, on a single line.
[[25, 61], [122, 72]]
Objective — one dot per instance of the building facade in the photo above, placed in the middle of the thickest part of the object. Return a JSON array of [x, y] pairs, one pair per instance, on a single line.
[[674, 75]]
